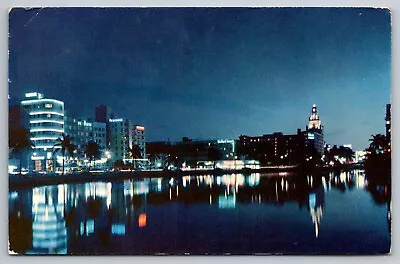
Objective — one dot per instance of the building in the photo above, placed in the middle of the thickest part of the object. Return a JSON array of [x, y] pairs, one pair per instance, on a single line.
[[103, 114], [100, 135], [360, 156], [46, 125], [272, 149], [121, 138], [139, 139], [83, 131], [314, 134], [388, 120], [195, 153]]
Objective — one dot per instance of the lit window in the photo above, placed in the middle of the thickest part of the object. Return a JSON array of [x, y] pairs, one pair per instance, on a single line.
[[48, 105]]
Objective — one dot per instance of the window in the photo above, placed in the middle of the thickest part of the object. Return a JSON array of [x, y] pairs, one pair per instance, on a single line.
[[48, 105]]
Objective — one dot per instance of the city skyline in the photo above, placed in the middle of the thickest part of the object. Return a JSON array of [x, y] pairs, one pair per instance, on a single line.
[[211, 73]]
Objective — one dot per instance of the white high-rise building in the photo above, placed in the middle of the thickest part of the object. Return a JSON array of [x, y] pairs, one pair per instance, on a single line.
[[46, 125]]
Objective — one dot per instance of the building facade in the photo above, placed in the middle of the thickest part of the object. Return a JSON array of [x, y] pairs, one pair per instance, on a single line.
[[139, 139], [83, 131], [46, 125], [103, 114], [272, 149], [121, 131]]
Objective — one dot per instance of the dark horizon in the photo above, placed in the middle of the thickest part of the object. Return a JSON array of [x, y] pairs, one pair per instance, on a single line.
[[210, 72]]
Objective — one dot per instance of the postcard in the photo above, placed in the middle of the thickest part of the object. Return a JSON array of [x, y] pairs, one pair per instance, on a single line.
[[199, 131]]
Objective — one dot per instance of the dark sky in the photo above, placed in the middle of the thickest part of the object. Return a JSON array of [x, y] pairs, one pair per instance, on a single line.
[[208, 73]]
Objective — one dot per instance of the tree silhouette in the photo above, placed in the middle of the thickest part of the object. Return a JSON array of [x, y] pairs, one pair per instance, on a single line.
[[134, 153], [92, 151], [378, 144], [171, 159], [152, 158], [19, 140], [66, 146]]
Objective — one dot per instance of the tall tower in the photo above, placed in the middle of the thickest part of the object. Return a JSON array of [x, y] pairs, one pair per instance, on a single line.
[[314, 132], [314, 123]]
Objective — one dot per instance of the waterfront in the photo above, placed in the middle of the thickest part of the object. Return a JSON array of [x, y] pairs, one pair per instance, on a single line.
[[340, 213]]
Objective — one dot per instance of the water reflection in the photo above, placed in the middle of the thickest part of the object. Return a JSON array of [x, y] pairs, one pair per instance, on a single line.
[[58, 218]]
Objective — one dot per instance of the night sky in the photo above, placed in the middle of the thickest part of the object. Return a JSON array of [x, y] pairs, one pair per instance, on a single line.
[[210, 73]]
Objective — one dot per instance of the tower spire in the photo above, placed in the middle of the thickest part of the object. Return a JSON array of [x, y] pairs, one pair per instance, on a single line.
[[313, 121]]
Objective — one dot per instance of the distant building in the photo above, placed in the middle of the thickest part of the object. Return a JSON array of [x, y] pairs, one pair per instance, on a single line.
[[360, 156], [388, 120], [83, 131], [271, 149], [277, 148], [139, 139], [103, 114], [315, 132], [191, 152], [123, 135], [46, 125]]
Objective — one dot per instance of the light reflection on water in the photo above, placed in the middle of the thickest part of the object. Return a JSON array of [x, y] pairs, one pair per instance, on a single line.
[[235, 213]]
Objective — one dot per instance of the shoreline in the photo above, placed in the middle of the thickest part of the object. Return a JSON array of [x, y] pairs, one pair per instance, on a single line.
[[26, 181]]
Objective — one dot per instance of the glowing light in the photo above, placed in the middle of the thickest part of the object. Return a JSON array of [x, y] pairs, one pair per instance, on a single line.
[[225, 141], [46, 112], [118, 229], [46, 147], [34, 94], [42, 101], [171, 181], [47, 129], [141, 128], [11, 168], [46, 121], [142, 220], [108, 199], [37, 158], [44, 138], [115, 120], [342, 177]]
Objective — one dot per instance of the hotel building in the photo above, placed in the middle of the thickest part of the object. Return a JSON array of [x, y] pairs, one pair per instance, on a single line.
[[46, 125], [83, 131], [123, 135]]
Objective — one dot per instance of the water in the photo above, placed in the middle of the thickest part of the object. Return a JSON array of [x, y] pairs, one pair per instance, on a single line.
[[236, 214]]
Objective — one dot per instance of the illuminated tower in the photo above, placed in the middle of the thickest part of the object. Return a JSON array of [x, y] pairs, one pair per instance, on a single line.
[[314, 123], [314, 132]]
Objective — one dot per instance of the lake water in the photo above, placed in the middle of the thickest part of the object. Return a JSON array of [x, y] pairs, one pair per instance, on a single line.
[[236, 214]]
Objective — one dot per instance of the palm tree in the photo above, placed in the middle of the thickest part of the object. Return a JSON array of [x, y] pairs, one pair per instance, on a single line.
[[135, 153], [379, 143], [19, 140], [66, 146], [171, 159], [152, 158], [93, 151]]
